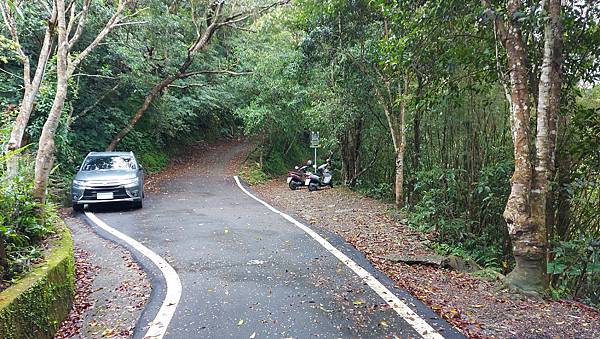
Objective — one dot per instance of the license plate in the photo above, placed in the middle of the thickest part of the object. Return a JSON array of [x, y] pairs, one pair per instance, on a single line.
[[289, 179], [307, 182], [104, 196]]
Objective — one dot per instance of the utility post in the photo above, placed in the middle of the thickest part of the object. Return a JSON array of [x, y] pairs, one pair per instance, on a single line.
[[315, 140]]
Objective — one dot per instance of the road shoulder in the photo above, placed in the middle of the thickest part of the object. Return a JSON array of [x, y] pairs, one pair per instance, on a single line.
[[478, 307], [112, 289]]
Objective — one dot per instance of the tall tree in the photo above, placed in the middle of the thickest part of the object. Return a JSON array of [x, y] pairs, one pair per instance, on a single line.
[[215, 19], [31, 85], [68, 34], [525, 212]]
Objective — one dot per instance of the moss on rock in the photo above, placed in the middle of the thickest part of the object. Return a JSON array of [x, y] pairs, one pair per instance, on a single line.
[[36, 305]]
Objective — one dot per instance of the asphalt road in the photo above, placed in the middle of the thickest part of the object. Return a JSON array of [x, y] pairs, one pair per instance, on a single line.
[[246, 272]]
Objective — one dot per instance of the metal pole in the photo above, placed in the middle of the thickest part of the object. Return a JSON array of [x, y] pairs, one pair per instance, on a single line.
[[315, 164]]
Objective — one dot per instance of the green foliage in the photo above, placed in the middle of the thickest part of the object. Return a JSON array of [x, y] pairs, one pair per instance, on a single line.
[[446, 249], [8, 50], [323, 65], [153, 161], [452, 222], [20, 228], [254, 174], [382, 190], [575, 270], [149, 153]]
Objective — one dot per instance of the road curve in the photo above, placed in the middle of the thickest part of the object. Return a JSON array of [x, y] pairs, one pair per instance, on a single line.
[[248, 272]]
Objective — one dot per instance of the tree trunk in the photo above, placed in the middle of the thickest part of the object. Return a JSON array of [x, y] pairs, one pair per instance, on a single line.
[[396, 134], [350, 141], [553, 116], [416, 159], [400, 144], [525, 212], [3, 258], [64, 70], [529, 247], [31, 89], [399, 179], [563, 202], [45, 155], [396, 127], [154, 92]]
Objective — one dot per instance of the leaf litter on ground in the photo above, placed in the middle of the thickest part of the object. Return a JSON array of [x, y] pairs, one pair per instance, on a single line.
[[477, 307]]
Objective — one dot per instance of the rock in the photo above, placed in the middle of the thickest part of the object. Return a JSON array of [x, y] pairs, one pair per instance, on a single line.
[[451, 262], [460, 264], [430, 260]]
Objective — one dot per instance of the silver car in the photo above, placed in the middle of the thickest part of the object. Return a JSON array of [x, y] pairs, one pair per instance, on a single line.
[[108, 177]]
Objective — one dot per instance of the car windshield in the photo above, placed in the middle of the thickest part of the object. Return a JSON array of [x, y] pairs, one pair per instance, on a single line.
[[108, 163]]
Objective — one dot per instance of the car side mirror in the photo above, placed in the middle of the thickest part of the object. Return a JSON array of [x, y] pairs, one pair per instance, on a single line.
[[140, 167], [77, 168]]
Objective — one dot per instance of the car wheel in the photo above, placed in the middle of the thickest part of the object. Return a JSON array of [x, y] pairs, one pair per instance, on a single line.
[[78, 207]]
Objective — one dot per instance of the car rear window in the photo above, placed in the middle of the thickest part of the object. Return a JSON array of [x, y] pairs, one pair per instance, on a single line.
[[108, 163]]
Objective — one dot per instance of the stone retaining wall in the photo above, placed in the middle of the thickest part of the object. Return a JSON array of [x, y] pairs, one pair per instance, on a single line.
[[38, 303]]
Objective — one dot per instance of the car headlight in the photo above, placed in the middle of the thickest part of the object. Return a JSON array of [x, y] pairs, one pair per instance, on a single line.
[[79, 182], [133, 181]]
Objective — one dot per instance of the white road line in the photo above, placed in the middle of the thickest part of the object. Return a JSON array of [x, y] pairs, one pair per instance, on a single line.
[[420, 325], [158, 326]]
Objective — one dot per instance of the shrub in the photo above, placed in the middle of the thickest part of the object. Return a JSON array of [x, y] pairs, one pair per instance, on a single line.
[[383, 190], [465, 227], [253, 174], [575, 270], [21, 229]]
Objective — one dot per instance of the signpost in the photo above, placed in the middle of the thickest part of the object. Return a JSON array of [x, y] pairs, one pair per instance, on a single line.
[[315, 140]]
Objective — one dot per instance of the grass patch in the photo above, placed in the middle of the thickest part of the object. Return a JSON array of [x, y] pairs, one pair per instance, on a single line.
[[254, 174]]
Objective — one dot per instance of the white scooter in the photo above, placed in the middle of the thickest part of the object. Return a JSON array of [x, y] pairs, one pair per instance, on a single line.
[[322, 178]]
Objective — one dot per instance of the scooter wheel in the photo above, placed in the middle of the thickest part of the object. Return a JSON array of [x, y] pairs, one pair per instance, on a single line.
[[293, 185], [313, 187]]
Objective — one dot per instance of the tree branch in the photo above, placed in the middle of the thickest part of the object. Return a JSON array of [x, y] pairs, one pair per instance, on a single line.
[[241, 28], [187, 85], [80, 24], [245, 15], [11, 74], [114, 20], [224, 71], [89, 108], [366, 168], [130, 23], [11, 24], [94, 76]]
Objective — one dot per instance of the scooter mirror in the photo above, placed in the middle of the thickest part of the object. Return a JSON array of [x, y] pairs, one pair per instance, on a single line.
[[296, 167]]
